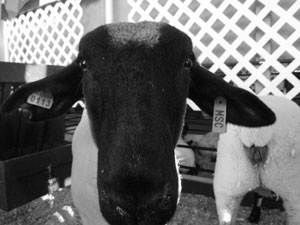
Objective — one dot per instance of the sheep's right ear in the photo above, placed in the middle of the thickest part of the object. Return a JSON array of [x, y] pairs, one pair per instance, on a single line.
[[48, 97], [243, 107]]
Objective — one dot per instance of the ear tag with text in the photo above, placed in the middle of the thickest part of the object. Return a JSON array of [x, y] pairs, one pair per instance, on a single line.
[[219, 118], [41, 99]]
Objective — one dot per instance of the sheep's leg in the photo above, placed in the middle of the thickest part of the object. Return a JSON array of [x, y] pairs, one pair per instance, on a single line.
[[292, 208], [287, 187], [227, 207], [234, 177], [256, 209]]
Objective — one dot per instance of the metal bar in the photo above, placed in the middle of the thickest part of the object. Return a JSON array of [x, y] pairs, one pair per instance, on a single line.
[[109, 11], [198, 147]]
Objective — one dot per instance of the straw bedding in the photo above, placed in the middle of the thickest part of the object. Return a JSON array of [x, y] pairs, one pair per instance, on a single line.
[[192, 209]]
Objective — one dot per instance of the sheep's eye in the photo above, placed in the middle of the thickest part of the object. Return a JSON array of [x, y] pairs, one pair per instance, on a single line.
[[83, 65], [188, 63]]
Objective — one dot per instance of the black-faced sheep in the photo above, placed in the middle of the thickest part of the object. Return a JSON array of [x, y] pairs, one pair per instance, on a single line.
[[266, 157], [135, 80]]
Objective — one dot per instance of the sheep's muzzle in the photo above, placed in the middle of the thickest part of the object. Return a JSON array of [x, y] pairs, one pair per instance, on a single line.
[[158, 211]]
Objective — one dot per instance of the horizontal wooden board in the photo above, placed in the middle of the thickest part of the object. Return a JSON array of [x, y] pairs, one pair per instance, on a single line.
[[23, 179]]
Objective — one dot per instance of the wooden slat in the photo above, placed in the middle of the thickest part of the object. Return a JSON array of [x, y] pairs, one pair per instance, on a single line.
[[29, 164], [25, 178]]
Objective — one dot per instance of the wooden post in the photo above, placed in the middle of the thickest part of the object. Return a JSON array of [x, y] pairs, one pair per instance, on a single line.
[[2, 43], [93, 14]]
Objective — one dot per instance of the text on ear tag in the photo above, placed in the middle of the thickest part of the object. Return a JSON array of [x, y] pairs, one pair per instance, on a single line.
[[41, 99], [219, 118]]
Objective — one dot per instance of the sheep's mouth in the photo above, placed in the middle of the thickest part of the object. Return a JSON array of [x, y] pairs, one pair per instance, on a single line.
[[157, 212], [113, 212]]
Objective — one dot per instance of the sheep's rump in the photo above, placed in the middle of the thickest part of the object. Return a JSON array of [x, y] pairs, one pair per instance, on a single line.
[[280, 171]]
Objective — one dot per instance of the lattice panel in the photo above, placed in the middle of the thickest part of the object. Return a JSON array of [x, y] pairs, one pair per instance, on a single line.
[[48, 35], [256, 44]]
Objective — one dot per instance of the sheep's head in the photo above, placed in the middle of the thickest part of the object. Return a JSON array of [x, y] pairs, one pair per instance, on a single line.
[[135, 85], [135, 80]]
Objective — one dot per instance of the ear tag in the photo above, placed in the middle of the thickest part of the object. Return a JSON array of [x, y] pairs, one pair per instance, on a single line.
[[219, 118], [41, 99]]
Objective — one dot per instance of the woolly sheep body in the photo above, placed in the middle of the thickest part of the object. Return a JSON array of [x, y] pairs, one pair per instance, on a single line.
[[235, 175], [84, 174], [184, 156]]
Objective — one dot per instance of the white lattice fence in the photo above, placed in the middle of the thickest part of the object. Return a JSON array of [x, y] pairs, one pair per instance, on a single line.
[[48, 35], [255, 43]]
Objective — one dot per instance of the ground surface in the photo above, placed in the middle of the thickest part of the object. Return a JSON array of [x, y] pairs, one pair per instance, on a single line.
[[193, 209]]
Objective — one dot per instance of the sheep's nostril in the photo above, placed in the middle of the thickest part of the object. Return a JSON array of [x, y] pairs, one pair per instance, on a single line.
[[154, 207], [165, 203], [121, 211], [116, 214]]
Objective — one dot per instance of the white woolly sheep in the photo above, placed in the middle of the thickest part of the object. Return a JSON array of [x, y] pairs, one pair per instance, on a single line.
[[135, 78], [268, 157], [209, 140], [185, 156]]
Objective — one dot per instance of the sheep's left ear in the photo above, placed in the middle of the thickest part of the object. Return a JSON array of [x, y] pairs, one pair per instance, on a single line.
[[48, 97], [243, 108]]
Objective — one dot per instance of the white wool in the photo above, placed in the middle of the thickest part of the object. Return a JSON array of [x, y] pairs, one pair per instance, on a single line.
[[235, 175], [179, 178], [185, 156], [209, 140], [84, 174], [205, 158], [256, 136]]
